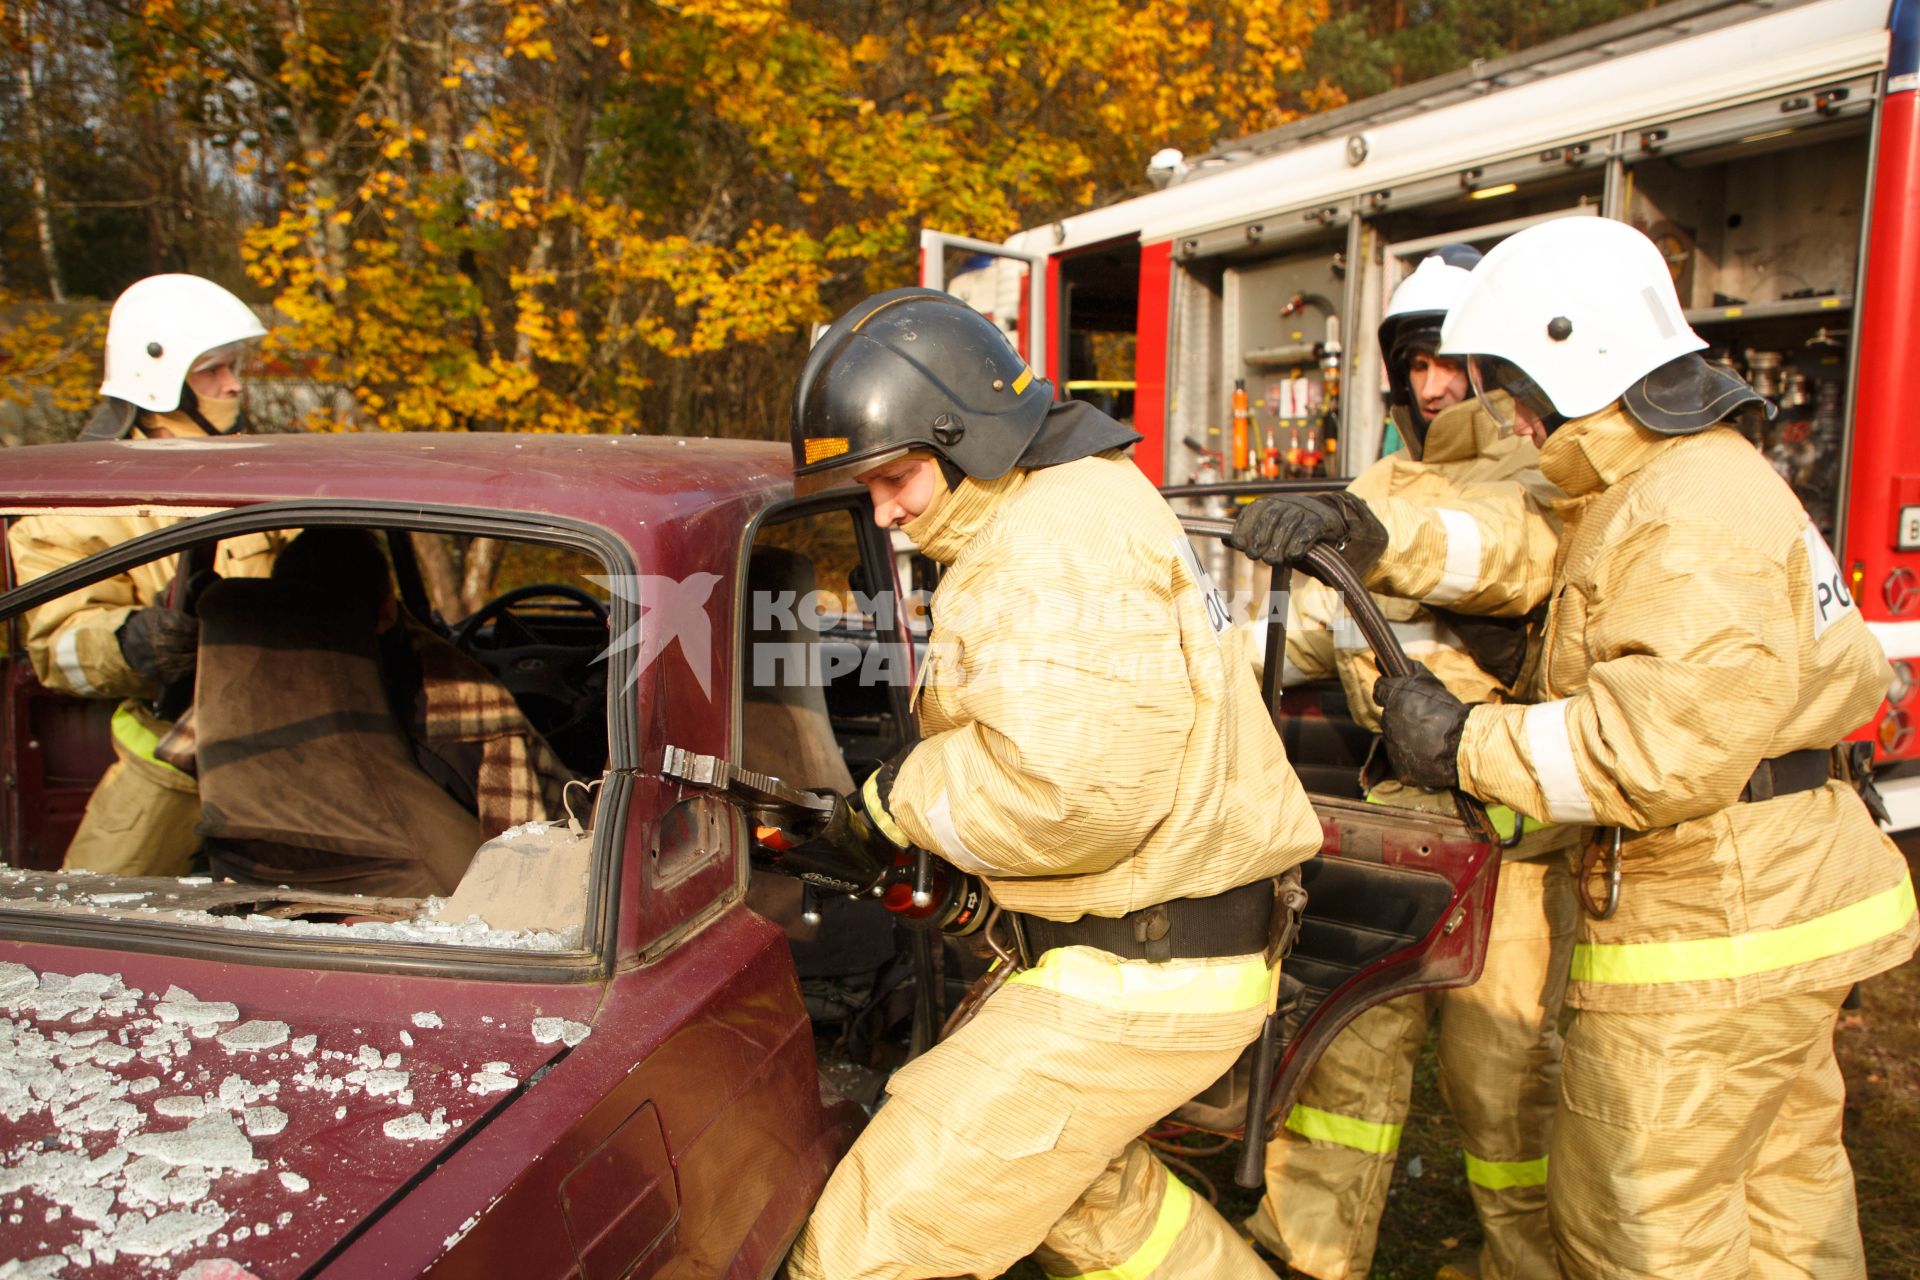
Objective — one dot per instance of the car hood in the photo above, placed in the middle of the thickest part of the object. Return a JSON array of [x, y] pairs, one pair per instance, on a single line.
[[159, 1111]]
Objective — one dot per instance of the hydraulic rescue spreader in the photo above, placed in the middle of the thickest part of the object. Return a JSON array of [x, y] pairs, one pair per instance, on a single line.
[[827, 842]]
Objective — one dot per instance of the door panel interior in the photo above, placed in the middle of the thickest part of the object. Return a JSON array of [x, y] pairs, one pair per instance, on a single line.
[[1398, 900]]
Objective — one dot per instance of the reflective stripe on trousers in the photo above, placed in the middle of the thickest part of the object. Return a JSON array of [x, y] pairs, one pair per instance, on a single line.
[[1376, 1138], [1176, 1206], [1706, 959], [1503, 819], [1370, 1136], [1502, 1175], [1227, 985]]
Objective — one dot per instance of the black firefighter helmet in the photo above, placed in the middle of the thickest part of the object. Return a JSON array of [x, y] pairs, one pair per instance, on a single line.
[[913, 369]]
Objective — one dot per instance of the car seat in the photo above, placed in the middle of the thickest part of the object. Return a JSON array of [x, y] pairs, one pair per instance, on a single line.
[[306, 775]]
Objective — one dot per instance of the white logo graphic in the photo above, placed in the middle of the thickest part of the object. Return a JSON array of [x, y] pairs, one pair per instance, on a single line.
[[668, 609]]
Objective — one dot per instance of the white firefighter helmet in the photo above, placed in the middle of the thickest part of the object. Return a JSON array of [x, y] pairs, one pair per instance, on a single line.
[[1411, 328], [1435, 285], [1570, 315], [161, 327]]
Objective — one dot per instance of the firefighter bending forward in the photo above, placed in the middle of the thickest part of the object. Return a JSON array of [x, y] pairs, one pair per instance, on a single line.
[[1329, 1169], [1701, 660], [173, 344], [1095, 749]]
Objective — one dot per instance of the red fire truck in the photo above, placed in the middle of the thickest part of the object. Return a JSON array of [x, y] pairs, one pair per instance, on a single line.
[[1771, 150]]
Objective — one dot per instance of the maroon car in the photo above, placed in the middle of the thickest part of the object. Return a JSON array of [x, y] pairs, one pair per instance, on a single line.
[[614, 1049]]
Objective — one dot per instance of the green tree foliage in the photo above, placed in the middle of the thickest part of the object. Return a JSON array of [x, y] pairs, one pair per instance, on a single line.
[[1366, 47]]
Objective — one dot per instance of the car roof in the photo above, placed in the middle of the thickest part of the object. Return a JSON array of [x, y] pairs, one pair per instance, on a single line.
[[623, 482]]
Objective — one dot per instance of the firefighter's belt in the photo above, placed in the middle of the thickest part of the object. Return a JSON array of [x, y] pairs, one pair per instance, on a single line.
[[1806, 770], [1233, 923]]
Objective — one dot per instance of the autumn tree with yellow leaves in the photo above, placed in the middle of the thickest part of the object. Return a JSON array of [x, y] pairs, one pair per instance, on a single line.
[[607, 214]]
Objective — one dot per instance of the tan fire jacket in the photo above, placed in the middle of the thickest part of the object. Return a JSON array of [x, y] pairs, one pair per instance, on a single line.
[[1468, 459], [1484, 542], [1093, 739], [1699, 625], [72, 639]]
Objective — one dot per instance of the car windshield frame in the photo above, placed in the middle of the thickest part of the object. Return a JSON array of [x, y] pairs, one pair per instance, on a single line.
[[593, 959]]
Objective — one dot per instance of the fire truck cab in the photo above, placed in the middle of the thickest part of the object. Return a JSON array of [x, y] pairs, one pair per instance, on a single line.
[[1769, 150]]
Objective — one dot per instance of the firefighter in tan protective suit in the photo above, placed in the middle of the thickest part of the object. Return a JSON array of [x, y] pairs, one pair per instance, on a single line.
[[1095, 750], [1701, 659], [1329, 1169], [173, 343]]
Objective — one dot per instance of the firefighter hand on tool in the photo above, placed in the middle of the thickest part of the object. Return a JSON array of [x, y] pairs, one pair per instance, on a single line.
[[160, 643], [1421, 722], [858, 845], [924, 890], [1282, 529]]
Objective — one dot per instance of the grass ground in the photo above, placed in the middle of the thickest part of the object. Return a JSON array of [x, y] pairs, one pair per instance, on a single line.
[[1430, 1221]]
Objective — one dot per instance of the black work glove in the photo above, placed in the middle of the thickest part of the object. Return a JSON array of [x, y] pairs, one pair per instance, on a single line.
[[878, 790], [160, 643], [1497, 645], [1282, 529], [1421, 722], [850, 850]]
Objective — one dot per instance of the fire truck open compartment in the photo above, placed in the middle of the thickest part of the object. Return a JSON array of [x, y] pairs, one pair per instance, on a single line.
[[1763, 236], [1266, 317], [1099, 319], [1771, 151]]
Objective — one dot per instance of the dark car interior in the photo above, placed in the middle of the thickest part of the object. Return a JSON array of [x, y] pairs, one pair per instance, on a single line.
[[540, 640]]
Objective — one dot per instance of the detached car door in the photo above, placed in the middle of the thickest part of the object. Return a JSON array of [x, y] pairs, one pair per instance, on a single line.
[[1398, 900]]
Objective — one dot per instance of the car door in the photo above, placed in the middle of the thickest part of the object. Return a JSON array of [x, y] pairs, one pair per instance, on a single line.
[[1398, 900], [53, 746]]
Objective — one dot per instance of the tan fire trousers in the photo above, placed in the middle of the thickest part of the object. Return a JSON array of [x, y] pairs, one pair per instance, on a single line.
[[1329, 1169], [140, 819], [1017, 1135], [1705, 1144]]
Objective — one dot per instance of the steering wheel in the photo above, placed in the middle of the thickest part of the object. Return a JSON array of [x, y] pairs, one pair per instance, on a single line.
[[560, 686]]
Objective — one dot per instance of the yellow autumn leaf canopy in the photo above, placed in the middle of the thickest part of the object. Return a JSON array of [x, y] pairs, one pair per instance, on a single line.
[[612, 215]]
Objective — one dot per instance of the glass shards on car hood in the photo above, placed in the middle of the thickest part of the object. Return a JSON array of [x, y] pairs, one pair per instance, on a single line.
[[173, 1112], [522, 893]]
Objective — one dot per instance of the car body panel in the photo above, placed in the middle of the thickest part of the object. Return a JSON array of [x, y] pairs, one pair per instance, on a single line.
[[688, 1133], [368, 1063]]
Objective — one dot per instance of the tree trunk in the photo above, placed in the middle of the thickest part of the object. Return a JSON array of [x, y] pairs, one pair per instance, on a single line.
[[37, 152], [442, 580], [483, 559]]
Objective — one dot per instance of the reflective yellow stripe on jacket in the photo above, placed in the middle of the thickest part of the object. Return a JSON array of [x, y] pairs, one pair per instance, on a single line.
[[1143, 986], [1176, 1206], [1706, 959], [1499, 815], [1370, 1136], [1500, 1175], [1503, 819], [136, 735]]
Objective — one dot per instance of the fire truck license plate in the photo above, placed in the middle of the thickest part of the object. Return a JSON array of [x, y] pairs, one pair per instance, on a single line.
[[1909, 529]]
